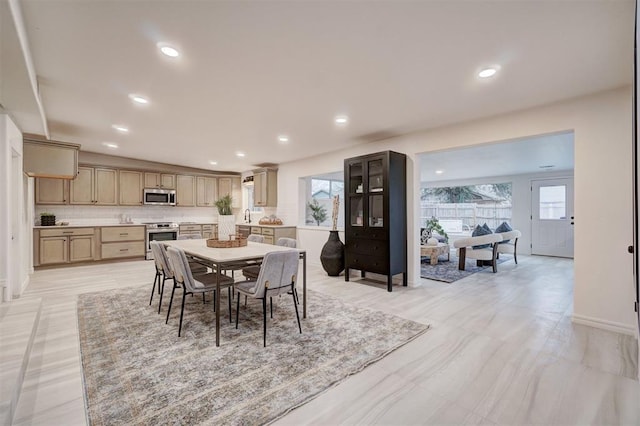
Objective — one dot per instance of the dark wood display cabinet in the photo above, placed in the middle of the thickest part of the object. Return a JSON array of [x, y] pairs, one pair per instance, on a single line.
[[376, 215]]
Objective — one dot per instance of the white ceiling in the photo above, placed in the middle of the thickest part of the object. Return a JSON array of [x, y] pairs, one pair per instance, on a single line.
[[250, 71], [524, 156]]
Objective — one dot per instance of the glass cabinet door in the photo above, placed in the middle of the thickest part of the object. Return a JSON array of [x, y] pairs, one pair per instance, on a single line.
[[376, 211], [357, 211], [375, 175], [356, 175]]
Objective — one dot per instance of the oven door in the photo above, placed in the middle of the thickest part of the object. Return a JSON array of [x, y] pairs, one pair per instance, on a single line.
[[159, 235]]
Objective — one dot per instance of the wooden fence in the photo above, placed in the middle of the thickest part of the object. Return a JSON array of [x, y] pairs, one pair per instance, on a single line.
[[471, 214]]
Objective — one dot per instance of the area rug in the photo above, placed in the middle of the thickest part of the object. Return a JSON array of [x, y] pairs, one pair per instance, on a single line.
[[137, 371], [447, 270]]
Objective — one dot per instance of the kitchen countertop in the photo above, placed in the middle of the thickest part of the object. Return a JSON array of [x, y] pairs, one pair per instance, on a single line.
[[266, 226], [87, 225]]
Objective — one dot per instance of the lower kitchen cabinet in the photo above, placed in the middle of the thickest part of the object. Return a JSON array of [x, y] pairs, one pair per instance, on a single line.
[[122, 241], [271, 234], [64, 245]]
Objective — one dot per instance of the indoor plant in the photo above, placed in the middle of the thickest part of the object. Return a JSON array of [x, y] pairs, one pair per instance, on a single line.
[[226, 219], [318, 212], [433, 224]]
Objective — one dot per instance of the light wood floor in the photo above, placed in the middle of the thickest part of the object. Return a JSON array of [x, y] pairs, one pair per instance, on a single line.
[[502, 350]]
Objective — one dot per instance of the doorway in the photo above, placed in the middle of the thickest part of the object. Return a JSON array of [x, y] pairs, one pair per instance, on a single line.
[[552, 217]]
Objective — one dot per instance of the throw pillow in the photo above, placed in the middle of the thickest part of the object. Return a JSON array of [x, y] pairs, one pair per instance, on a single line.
[[479, 231], [504, 227], [424, 236], [486, 227]]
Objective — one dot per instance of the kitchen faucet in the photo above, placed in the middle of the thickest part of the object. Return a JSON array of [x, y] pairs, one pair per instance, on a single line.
[[247, 216]]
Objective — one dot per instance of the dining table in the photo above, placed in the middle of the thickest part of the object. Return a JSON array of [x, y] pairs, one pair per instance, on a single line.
[[221, 259]]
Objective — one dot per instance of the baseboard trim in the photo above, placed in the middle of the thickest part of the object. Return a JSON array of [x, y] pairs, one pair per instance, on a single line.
[[604, 324]]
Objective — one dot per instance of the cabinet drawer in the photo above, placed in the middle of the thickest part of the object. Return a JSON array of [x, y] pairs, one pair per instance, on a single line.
[[206, 228], [370, 233], [368, 247], [66, 232], [256, 230], [114, 250], [268, 239], [196, 228], [123, 233], [363, 262], [267, 231]]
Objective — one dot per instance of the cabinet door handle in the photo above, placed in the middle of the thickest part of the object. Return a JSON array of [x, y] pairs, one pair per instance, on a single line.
[[124, 249], [67, 232], [124, 234]]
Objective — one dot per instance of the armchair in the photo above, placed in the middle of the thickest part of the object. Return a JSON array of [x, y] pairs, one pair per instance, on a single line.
[[509, 243]]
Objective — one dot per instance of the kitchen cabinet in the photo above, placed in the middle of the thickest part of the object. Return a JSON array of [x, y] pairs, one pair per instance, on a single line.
[[159, 180], [64, 245], [243, 230], [271, 234], [97, 186], [206, 191], [52, 191], [265, 192], [130, 183], [209, 231], [231, 186], [376, 215], [185, 191], [122, 241]]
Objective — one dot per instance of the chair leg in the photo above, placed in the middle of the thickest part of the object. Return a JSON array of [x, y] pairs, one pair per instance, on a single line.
[[161, 293], [230, 296], [515, 249], [184, 294], [237, 309], [245, 299], [494, 261], [173, 290], [271, 306], [264, 320], [153, 290], [462, 258], [295, 305]]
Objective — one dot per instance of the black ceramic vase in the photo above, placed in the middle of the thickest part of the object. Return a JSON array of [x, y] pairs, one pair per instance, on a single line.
[[332, 255]]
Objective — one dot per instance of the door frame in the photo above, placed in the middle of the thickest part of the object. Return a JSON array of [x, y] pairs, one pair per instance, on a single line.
[[535, 208]]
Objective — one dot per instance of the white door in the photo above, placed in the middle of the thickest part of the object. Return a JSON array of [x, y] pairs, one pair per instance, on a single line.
[[552, 217]]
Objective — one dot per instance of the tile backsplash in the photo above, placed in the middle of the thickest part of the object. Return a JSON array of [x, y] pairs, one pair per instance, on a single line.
[[108, 215]]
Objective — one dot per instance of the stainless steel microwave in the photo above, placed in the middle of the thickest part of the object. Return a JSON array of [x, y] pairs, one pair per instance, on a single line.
[[159, 197]]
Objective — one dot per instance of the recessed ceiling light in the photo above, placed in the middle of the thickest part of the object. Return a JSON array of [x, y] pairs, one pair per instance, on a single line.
[[213, 163], [488, 72], [240, 154], [110, 145], [342, 119], [138, 99], [121, 129], [439, 172], [168, 50], [283, 139]]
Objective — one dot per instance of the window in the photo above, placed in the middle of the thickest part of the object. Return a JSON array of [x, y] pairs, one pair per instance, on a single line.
[[248, 197], [553, 203], [461, 208], [320, 191]]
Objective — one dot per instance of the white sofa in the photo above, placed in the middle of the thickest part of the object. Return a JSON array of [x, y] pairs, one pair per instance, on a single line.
[[466, 250], [511, 246]]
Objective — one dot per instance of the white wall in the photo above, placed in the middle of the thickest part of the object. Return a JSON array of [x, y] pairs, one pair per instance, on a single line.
[[603, 290], [520, 199], [15, 225]]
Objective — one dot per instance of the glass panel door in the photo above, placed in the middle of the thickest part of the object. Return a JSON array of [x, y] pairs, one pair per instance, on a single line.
[[376, 181], [356, 173], [357, 211], [376, 211]]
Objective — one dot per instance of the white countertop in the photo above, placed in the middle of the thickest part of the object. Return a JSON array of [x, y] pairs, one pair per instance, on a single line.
[[87, 225]]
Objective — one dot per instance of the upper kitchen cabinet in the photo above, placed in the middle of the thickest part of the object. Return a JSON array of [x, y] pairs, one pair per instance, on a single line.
[[97, 186], [52, 191], [185, 191], [206, 191], [231, 186], [130, 187], [159, 180], [265, 193]]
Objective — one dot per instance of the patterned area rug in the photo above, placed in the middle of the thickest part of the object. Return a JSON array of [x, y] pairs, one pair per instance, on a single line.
[[447, 270], [138, 371]]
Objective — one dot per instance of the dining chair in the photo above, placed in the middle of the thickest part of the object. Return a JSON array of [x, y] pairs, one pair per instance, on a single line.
[[196, 267], [277, 276], [192, 285], [256, 238], [251, 272]]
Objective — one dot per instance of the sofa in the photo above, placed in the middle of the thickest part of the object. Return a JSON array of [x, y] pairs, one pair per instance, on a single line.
[[482, 248]]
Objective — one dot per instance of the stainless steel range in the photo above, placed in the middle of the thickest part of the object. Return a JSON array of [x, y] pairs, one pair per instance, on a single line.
[[159, 231]]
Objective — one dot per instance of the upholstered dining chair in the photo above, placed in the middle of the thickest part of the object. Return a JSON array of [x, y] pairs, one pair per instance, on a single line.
[[200, 284], [196, 267], [251, 272], [277, 276], [256, 238]]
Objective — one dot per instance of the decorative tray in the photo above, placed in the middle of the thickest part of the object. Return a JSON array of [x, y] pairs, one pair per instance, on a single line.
[[236, 242]]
